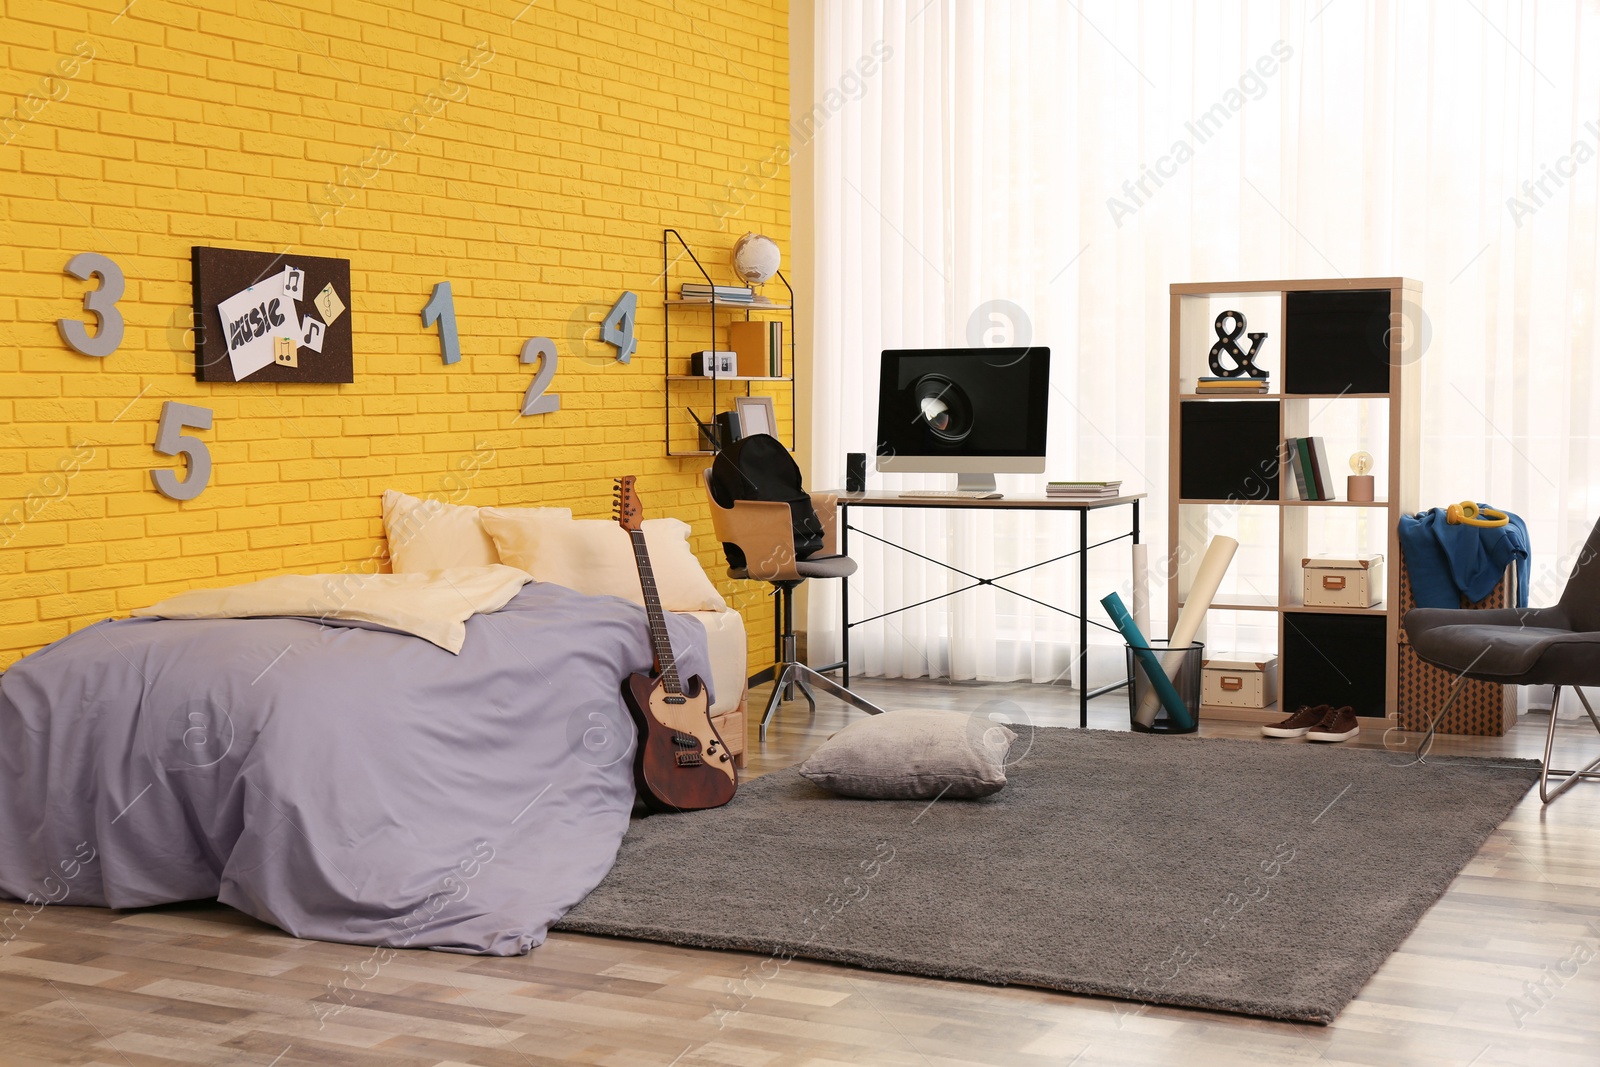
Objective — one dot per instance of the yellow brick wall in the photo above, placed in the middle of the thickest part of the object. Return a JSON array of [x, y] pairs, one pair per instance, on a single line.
[[528, 154]]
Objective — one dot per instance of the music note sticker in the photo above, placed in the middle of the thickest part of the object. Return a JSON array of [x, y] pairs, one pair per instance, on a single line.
[[311, 333], [329, 304], [285, 353]]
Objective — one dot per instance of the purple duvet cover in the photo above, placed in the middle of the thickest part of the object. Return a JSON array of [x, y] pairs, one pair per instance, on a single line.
[[340, 781]]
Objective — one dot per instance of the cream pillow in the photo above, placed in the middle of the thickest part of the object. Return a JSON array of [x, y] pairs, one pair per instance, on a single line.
[[430, 535], [595, 556]]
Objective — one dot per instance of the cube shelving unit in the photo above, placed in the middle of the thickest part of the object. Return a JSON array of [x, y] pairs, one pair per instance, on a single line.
[[1342, 352]]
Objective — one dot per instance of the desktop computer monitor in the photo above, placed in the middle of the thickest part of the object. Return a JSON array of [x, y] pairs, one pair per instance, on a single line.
[[976, 412]]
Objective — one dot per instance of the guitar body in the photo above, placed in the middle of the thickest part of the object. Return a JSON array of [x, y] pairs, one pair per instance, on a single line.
[[680, 762]]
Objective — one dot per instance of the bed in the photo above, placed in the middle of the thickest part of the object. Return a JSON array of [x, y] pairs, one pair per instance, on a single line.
[[337, 775]]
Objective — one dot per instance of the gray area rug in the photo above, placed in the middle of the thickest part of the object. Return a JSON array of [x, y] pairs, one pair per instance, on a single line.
[[1269, 879]]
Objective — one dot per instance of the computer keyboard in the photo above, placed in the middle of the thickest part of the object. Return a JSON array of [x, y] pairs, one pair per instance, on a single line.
[[960, 494]]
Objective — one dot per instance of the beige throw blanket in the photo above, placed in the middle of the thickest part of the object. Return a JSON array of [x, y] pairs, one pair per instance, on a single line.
[[433, 605]]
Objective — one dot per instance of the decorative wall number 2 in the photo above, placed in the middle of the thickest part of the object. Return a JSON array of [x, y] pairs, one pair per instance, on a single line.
[[172, 441], [101, 303], [536, 401], [441, 308]]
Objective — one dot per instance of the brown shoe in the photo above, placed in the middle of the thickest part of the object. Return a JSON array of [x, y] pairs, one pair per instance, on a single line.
[[1298, 724], [1338, 725]]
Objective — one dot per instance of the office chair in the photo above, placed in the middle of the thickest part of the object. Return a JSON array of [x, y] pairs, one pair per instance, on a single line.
[[1557, 646], [764, 532]]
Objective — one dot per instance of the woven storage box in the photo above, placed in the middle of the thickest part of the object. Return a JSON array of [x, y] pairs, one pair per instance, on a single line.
[[1484, 708]]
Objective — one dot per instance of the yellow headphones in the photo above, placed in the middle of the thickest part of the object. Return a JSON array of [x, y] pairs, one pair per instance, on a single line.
[[1467, 513]]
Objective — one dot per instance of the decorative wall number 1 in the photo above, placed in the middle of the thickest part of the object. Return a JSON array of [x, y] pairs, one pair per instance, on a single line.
[[172, 441], [617, 327], [101, 303], [441, 308]]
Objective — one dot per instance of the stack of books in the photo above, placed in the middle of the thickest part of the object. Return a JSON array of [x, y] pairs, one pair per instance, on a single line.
[[732, 294], [1307, 457], [1231, 385], [1082, 490], [760, 348]]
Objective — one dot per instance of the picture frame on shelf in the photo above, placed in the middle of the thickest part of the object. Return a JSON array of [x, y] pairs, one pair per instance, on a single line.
[[756, 415]]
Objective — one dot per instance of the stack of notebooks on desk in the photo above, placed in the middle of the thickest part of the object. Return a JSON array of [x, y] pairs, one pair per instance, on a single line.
[[1229, 386], [1307, 457], [732, 294], [1082, 490]]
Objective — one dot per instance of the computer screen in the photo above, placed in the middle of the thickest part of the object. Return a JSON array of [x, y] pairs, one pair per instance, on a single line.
[[975, 412]]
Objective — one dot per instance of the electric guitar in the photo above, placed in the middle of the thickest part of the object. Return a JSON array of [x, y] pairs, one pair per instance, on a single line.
[[680, 762]]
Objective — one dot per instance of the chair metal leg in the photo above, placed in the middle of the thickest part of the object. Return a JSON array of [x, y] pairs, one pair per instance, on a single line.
[[774, 700], [828, 685], [805, 691], [1546, 794]]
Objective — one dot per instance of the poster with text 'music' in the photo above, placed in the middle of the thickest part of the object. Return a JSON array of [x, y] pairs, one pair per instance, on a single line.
[[254, 322]]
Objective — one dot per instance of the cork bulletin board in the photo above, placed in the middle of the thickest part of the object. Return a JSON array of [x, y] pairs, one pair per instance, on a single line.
[[271, 317]]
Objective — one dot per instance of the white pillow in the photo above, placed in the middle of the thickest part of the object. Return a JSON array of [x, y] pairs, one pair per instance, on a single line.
[[595, 556], [430, 535]]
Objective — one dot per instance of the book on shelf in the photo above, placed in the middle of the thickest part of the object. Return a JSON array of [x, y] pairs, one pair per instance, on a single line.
[[759, 346], [1291, 459], [1324, 473], [701, 291], [1231, 385], [1308, 460]]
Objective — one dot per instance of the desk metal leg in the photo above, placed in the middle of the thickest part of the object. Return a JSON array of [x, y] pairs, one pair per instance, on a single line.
[[1083, 619], [844, 598]]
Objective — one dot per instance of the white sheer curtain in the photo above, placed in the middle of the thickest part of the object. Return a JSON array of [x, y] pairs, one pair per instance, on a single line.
[[1074, 159]]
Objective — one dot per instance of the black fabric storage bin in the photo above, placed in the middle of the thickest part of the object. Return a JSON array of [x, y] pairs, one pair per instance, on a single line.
[[1337, 342], [1230, 450], [1334, 659]]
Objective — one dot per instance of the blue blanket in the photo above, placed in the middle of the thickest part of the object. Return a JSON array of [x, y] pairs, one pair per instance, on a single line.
[[340, 781], [1446, 563]]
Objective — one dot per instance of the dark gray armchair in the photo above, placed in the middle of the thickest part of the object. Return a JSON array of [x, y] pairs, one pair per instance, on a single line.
[[1557, 646]]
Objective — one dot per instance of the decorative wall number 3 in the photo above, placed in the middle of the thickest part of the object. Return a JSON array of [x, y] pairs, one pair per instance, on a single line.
[[441, 308], [101, 303], [172, 441], [617, 327], [535, 401]]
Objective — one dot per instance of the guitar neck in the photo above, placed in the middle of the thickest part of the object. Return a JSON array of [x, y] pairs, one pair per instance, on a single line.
[[665, 664]]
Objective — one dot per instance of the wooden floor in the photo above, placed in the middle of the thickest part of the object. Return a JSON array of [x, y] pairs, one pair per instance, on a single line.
[[201, 984]]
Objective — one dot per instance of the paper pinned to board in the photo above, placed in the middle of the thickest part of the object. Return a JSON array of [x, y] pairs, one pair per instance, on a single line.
[[251, 319], [329, 304], [294, 283], [312, 333]]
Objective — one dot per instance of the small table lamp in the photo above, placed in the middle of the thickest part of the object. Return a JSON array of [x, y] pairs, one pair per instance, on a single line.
[[1360, 485]]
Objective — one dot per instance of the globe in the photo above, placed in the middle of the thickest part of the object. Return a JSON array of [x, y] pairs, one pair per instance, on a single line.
[[756, 258]]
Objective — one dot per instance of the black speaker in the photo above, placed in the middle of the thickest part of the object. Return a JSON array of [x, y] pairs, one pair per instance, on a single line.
[[855, 472]]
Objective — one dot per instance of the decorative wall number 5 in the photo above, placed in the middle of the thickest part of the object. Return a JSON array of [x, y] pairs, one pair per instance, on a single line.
[[101, 303], [617, 327], [535, 401], [441, 308], [172, 441]]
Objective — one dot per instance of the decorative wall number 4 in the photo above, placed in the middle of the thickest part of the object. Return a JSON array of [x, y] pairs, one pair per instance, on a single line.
[[172, 441], [535, 401], [100, 302], [617, 327], [441, 308]]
